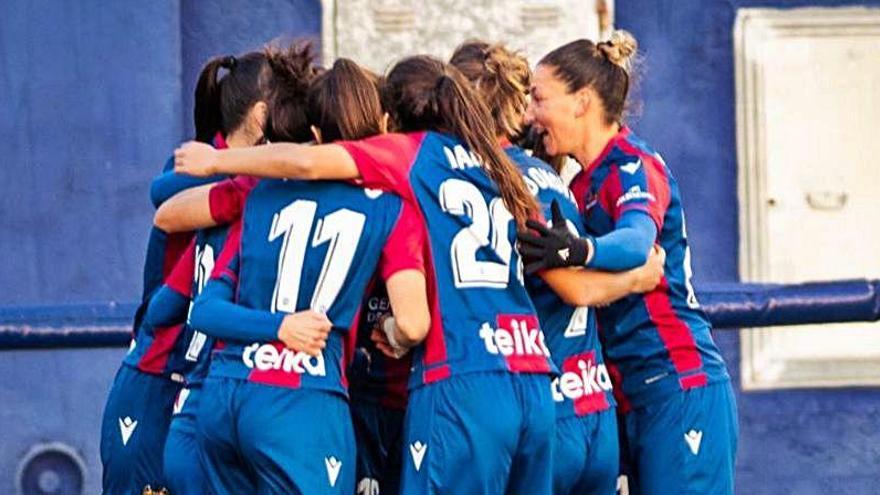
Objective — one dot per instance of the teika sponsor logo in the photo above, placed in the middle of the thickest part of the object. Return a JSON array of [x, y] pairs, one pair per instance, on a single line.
[[269, 357], [584, 382], [520, 340]]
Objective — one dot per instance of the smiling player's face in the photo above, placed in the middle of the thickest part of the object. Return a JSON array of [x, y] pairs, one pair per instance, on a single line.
[[553, 111]]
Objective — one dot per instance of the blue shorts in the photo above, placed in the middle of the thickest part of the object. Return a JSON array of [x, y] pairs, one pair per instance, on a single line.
[[587, 455], [684, 443], [490, 433], [183, 470], [379, 434], [262, 439], [133, 431]]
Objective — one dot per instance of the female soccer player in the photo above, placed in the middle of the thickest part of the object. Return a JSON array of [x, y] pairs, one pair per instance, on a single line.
[[480, 415], [166, 352], [291, 72], [274, 418], [586, 455], [680, 417]]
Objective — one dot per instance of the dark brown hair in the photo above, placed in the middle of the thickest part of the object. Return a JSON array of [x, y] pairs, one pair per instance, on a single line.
[[605, 67], [278, 77], [292, 72], [344, 102], [423, 93], [502, 77]]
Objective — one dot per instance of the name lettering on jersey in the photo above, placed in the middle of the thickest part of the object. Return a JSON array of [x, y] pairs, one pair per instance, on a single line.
[[274, 357], [460, 158], [634, 193], [520, 340], [538, 178], [584, 382]]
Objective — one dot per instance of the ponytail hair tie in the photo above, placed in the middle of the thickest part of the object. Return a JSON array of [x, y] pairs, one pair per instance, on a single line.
[[229, 62]]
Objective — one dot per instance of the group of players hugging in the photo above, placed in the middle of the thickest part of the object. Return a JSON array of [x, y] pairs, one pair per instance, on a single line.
[[373, 285]]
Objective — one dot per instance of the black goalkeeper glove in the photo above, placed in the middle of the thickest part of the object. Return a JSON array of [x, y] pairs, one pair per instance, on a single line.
[[555, 247]]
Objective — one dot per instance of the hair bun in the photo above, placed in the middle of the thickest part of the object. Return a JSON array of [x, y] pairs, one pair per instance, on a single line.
[[619, 49]]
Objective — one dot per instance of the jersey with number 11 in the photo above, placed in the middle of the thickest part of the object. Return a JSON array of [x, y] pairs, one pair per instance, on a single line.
[[481, 316]]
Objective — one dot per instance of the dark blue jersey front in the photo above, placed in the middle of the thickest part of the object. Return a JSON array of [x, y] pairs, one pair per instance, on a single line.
[[584, 386], [659, 342], [300, 245]]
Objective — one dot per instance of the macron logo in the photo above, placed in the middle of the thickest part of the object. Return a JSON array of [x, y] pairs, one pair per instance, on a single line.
[[418, 450], [333, 466], [631, 168], [693, 439], [126, 427], [563, 254]]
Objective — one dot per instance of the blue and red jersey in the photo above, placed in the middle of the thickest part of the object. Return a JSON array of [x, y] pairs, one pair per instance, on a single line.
[[583, 385], [301, 245], [659, 342], [163, 249], [373, 377], [481, 316], [158, 348]]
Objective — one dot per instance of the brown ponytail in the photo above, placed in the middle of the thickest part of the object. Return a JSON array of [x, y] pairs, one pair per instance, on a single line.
[[344, 102], [502, 77], [423, 93], [291, 71]]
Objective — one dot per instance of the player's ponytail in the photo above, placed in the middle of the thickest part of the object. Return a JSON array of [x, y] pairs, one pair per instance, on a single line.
[[291, 72], [206, 112], [344, 102], [424, 93], [606, 67], [502, 78]]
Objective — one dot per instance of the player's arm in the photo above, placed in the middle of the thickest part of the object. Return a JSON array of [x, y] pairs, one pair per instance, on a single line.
[[169, 183], [555, 246], [205, 206], [275, 160], [584, 287], [402, 267], [170, 303]]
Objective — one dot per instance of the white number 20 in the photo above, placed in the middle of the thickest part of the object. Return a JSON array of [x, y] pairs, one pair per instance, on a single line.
[[341, 229], [489, 227]]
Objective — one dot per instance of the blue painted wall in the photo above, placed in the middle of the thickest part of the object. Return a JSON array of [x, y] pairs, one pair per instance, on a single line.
[[804, 442], [94, 95]]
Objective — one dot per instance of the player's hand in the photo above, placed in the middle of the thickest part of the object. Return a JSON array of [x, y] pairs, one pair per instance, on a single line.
[[305, 331], [196, 159], [378, 337], [650, 274], [553, 247]]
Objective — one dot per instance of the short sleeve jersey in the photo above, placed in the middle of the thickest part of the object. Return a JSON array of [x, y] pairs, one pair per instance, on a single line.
[[481, 316], [310, 245], [658, 342], [584, 385]]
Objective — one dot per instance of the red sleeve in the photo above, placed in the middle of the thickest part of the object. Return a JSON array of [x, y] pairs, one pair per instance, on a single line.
[[227, 265], [384, 161], [227, 198], [405, 245], [180, 279], [641, 185]]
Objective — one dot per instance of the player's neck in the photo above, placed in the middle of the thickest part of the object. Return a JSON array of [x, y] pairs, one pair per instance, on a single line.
[[594, 143]]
